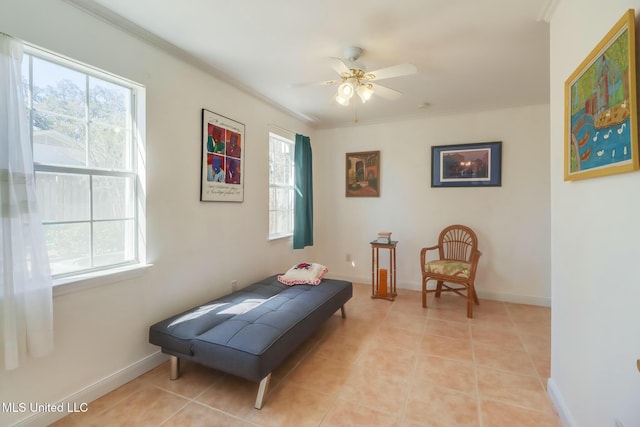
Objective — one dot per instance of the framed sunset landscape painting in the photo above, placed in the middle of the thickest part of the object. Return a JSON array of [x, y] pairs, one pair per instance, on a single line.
[[467, 165]]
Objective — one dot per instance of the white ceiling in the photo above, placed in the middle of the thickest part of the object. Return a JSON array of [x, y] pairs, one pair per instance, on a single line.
[[471, 55]]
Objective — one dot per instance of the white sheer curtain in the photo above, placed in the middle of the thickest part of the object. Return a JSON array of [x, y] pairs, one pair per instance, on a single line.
[[26, 312]]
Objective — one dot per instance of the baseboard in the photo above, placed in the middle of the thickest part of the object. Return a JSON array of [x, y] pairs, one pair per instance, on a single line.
[[349, 278], [518, 299], [96, 390], [495, 296], [561, 407]]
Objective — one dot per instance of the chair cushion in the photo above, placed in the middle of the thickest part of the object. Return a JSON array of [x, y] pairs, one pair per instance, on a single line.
[[449, 268]]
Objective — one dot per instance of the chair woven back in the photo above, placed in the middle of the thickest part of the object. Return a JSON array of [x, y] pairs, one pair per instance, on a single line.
[[457, 242]]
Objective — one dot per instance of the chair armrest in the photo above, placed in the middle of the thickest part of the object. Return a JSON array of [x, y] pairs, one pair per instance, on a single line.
[[475, 256], [423, 255]]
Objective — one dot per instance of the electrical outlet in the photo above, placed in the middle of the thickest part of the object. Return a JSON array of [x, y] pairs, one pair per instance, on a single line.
[[234, 285]]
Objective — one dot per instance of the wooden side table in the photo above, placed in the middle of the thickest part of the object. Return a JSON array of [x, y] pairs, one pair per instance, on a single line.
[[375, 270]]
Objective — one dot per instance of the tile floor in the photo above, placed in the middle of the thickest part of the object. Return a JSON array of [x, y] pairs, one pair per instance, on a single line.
[[386, 364]]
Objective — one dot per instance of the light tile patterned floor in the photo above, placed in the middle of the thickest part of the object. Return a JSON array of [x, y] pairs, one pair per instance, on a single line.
[[386, 364]]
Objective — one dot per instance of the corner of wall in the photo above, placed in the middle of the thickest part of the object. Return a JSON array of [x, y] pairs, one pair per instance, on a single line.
[[561, 407]]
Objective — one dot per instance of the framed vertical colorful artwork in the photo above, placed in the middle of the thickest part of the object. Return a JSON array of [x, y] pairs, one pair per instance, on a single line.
[[222, 168], [601, 114], [467, 165], [362, 174]]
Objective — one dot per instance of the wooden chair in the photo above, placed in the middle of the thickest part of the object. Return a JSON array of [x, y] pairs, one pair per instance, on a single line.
[[455, 268]]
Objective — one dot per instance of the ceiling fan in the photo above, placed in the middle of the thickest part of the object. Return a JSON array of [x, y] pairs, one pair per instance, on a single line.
[[354, 79]]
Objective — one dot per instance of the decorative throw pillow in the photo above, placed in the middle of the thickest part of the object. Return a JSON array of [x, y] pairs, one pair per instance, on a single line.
[[303, 274]]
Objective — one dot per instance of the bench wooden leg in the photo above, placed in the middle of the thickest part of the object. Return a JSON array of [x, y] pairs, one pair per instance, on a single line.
[[343, 312], [175, 367], [262, 390]]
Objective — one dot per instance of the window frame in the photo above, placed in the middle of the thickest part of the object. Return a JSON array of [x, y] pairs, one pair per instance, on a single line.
[[98, 275], [288, 140]]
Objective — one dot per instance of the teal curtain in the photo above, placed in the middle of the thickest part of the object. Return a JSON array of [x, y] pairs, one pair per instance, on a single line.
[[303, 198]]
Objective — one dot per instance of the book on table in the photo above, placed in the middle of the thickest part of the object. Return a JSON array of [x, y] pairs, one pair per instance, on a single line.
[[384, 237]]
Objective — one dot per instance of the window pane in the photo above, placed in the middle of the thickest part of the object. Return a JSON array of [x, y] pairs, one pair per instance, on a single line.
[[109, 147], [63, 197], [281, 185], [109, 131], [283, 222], [26, 82], [58, 140], [109, 103], [69, 246], [112, 197], [272, 222], [272, 198], [112, 242], [58, 89], [272, 168], [278, 162], [282, 199], [291, 208], [282, 171], [277, 173]]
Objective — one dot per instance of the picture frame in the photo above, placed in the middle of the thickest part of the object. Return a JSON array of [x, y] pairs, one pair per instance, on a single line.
[[601, 117], [222, 161], [467, 165], [362, 174]]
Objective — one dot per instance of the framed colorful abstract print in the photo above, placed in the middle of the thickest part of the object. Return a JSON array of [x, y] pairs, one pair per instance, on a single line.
[[222, 168]]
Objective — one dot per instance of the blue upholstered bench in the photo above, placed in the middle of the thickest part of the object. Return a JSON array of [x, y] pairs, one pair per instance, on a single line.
[[250, 332]]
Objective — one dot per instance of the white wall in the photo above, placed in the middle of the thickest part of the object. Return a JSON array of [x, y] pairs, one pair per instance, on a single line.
[[594, 246], [512, 221], [197, 248]]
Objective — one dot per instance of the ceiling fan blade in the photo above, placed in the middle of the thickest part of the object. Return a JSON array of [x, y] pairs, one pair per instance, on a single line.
[[322, 83], [339, 66], [393, 71], [385, 92]]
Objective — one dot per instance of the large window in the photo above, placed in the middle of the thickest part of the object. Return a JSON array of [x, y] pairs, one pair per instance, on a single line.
[[280, 186], [83, 133]]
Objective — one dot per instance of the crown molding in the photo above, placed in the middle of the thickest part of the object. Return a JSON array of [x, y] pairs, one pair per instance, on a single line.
[[546, 11], [108, 16]]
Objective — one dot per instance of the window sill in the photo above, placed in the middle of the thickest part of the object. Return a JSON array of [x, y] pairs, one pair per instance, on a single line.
[[279, 236], [69, 285]]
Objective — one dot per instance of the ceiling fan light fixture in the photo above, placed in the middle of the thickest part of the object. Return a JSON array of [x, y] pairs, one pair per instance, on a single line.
[[342, 100], [345, 90], [365, 91]]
